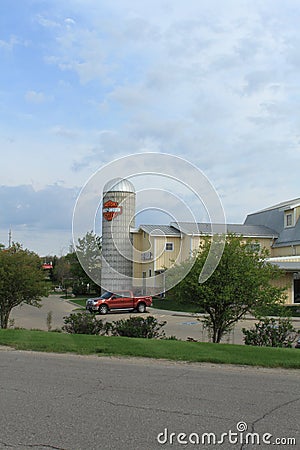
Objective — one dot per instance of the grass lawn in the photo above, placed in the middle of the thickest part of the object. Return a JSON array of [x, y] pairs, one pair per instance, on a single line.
[[172, 304], [79, 301], [152, 348]]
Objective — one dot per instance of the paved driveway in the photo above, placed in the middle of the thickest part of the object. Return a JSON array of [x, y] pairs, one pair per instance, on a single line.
[[30, 317]]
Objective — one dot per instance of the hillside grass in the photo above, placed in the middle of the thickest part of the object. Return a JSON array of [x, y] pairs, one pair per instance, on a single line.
[[150, 348]]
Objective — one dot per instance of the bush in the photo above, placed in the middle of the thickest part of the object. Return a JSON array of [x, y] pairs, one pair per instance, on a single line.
[[83, 323], [137, 327], [271, 333]]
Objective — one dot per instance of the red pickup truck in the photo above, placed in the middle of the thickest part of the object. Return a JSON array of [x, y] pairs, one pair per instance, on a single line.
[[123, 300]]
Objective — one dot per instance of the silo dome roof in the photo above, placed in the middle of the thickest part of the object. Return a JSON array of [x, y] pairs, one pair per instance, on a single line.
[[118, 185]]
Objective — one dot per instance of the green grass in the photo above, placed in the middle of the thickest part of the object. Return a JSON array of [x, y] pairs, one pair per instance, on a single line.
[[173, 304], [79, 301], [167, 349]]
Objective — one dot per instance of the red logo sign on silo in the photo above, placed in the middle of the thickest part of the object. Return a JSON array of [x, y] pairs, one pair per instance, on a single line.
[[111, 210]]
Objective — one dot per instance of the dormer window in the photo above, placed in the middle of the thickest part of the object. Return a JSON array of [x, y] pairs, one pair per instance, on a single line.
[[289, 219]]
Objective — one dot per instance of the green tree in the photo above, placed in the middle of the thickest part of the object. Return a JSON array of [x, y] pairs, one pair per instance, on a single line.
[[21, 280], [85, 264], [241, 284], [88, 251], [62, 272]]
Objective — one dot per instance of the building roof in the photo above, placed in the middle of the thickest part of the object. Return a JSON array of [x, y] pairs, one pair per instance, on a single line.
[[160, 230], [192, 228], [282, 205], [289, 236], [273, 217], [289, 266]]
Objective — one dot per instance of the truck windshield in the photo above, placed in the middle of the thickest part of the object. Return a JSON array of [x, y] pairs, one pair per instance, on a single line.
[[106, 295]]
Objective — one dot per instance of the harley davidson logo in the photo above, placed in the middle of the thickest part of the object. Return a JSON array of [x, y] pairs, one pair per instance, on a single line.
[[111, 210]]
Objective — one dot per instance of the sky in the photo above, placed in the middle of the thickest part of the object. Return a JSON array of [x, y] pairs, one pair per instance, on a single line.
[[85, 82]]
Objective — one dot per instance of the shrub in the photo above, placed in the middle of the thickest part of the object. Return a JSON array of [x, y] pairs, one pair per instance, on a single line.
[[82, 323], [269, 332], [137, 327], [49, 320]]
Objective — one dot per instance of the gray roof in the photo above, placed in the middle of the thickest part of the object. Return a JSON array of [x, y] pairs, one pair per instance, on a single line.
[[192, 228], [282, 205], [160, 230], [286, 265], [289, 236], [273, 217]]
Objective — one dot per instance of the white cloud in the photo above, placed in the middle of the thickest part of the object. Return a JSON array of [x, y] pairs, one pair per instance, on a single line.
[[47, 23], [48, 208], [11, 43], [69, 21], [62, 131], [36, 97]]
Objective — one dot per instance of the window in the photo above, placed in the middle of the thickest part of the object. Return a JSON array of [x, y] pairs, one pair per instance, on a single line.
[[169, 246], [150, 273], [254, 247], [146, 256], [289, 220]]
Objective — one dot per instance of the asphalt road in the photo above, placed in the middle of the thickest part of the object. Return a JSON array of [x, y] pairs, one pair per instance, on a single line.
[[180, 325], [70, 402]]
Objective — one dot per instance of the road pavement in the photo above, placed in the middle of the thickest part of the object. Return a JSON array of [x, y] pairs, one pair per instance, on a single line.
[[69, 402]]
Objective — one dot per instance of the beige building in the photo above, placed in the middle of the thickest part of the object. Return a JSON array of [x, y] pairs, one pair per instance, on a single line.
[[277, 228]]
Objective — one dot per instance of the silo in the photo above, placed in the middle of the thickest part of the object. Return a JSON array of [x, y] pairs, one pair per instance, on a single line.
[[118, 216]]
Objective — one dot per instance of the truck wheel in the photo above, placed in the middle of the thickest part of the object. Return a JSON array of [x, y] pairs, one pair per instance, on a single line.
[[103, 309], [141, 308]]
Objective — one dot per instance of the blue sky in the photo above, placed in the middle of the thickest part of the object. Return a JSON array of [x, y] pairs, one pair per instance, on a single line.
[[83, 82]]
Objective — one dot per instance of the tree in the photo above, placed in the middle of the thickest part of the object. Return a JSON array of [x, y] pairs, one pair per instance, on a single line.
[[241, 283], [81, 267], [88, 251], [21, 280], [62, 272], [85, 264]]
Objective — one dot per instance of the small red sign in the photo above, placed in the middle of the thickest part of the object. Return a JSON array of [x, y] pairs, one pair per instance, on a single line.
[[111, 210]]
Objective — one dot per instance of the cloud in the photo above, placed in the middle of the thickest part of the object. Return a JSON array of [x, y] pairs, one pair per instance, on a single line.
[[11, 43], [60, 130], [70, 21], [47, 23], [215, 82], [36, 97], [49, 208]]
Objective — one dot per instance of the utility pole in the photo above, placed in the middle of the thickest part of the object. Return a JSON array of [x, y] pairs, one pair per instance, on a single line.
[[9, 238]]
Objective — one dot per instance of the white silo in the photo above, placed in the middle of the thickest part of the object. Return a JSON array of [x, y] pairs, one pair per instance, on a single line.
[[118, 216]]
